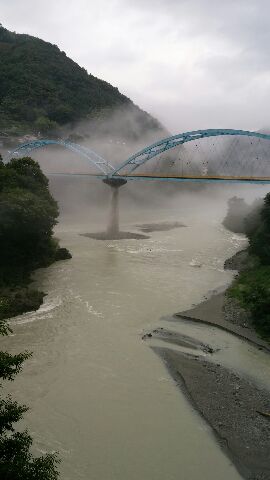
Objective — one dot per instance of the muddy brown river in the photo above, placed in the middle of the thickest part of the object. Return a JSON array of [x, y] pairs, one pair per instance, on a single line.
[[98, 394]]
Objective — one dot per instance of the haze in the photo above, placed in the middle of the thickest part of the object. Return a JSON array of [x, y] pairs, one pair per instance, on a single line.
[[193, 64]]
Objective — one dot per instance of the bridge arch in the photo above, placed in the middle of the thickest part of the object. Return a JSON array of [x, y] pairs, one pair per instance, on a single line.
[[118, 175], [100, 163], [151, 151]]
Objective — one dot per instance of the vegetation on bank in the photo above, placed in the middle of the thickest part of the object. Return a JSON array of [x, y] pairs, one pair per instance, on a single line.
[[28, 214], [16, 459], [252, 286]]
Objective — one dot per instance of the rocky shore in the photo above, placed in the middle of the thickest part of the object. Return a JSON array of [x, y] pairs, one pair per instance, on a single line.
[[237, 410], [230, 404]]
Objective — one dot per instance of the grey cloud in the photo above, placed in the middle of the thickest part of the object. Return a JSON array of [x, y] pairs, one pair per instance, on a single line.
[[237, 71]]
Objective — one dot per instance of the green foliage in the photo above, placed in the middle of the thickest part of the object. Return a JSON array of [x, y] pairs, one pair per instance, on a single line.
[[253, 219], [266, 212], [45, 125], [62, 254], [19, 299], [259, 244], [41, 86], [28, 169], [252, 287], [10, 412], [252, 290], [27, 216], [10, 365], [17, 463], [259, 238], [4, 328]]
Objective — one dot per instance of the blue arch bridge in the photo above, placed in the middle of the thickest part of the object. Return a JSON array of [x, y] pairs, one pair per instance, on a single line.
[[213, 155]]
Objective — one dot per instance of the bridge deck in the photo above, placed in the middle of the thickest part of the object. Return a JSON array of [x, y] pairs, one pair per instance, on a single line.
[[179, 178]]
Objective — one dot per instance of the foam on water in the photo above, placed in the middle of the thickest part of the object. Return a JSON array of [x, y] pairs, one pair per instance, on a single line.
[[44, 311]]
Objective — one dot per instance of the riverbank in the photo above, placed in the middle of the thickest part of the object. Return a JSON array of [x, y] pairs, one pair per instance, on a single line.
[[224, 312], [18, 297], [28, 216], [231, 404]]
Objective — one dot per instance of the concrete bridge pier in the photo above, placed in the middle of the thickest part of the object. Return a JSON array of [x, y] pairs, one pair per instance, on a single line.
[[113, 225]]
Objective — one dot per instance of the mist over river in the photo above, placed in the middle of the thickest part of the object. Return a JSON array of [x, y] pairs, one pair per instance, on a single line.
[[98, 394]]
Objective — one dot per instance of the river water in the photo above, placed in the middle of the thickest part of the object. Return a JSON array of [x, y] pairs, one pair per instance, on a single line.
[[98, 394]]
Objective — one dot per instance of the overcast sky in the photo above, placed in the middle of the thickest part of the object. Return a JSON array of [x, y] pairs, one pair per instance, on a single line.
[[191, 63]]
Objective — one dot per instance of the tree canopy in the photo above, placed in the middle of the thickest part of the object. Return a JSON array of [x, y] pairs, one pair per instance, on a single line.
[[41, 88], [27, 216], [252, 286]]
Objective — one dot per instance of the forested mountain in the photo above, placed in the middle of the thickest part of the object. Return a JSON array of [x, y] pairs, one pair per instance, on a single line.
[[42, 89]]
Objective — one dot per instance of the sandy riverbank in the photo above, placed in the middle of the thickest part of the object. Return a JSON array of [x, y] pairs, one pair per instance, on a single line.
[[223, 312], [231, 405]]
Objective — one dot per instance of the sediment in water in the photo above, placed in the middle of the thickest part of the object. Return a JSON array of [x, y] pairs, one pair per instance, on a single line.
[[159, 226], [113, 232], [115, 236]]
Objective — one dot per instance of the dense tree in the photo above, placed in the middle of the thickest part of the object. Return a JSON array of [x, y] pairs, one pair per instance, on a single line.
[[28, 214], [41, 88], [252, 287], [253, 219], [259, 238]]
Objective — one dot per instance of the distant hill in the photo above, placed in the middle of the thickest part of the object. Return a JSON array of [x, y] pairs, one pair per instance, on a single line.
[[41, 89]]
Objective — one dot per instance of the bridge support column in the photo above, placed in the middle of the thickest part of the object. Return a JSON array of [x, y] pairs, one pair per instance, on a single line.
[[113, 226]]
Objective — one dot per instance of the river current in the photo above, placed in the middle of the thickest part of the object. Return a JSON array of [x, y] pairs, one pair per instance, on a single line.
[[97, 393]]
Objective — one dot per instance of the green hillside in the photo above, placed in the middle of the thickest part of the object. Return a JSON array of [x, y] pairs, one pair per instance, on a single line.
[[42, 89]]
